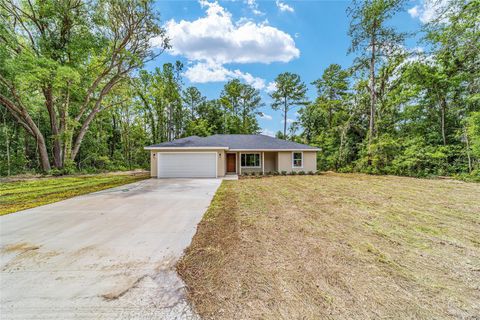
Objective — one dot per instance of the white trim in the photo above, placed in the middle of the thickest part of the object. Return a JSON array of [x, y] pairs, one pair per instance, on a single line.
[[293, 163], [216, 160], [255, 167], [185, 148], [273, 150]]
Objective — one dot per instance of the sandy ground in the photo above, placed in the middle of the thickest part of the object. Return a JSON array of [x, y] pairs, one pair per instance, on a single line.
[[106, 255]]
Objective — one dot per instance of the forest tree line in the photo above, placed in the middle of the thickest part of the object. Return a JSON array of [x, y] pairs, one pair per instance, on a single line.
[[75, 94]]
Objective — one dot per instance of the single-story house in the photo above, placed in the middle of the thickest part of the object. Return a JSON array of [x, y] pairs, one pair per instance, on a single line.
[[221, 154]]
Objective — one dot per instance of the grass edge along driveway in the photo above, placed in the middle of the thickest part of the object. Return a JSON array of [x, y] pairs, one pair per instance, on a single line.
[[26, 194], [337, 246]]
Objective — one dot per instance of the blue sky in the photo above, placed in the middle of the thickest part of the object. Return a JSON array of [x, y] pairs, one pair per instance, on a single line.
[[256, 40]]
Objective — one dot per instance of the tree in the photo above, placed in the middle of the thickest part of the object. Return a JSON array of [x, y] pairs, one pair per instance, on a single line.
[[240, 103], [289, 92], [333, 87], [374, 40], [250, 102], [192, 99], [67, 56]]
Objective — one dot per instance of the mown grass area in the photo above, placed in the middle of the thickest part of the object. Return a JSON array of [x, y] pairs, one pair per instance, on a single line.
[[25, 194], [337, 246]]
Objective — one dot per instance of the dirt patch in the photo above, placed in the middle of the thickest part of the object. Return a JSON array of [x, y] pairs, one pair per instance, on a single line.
[[20, 247], [340, 246], [157, 274]]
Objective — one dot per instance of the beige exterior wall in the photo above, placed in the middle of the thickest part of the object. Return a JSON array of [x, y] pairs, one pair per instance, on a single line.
[[273, 161], [270, 161], [221, 162], [153, 163], [284, 160]]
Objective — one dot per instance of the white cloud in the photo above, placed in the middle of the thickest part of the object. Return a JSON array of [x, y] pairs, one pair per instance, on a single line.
[[266, 116], [413, 12], [216, 37], [283, 6], [271, 86], [214, 40], [429, 10], [268, 132], [288, 120], [253, 5], [203, 72]]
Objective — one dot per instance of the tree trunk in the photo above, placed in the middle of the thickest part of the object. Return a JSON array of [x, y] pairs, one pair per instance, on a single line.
[[43, 153], [443, 107], [285, 110], [64, 128], [57, 149], [7, 142], [19, 113], [467, 142], [81, 134], [373, 96], [96, 109]]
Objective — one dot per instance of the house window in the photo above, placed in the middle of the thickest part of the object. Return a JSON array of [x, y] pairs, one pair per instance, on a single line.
[[297, 159], [250, 160]]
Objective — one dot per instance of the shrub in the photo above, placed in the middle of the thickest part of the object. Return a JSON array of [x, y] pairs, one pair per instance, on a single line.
[[311, 173], [293, 173], [276, 173], [284, 173], [302, 173], [102, 162], [269, 173], [56, 172]]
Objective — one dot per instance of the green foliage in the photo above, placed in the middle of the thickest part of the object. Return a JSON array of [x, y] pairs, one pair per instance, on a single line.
[[426, 109], [473, 133], [21, 195], [240, 103], [289, 92], [392, 112]]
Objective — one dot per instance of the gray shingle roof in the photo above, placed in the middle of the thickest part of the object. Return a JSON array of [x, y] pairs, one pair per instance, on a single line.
[[235, 141]]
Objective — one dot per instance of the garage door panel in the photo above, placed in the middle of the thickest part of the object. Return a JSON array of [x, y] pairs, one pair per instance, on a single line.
[[187, 165]]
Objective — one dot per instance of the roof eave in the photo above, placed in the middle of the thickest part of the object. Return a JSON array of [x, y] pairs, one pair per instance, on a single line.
[[185, 148], [286, 149]]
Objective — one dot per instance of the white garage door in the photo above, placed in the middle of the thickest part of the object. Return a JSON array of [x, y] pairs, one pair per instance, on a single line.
[[187, 165]]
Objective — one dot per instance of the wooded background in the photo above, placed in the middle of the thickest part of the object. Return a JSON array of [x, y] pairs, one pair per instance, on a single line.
[[74, 95]]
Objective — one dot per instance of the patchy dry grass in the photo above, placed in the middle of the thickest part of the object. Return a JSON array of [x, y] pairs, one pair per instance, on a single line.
[[25, 194], [338, 246]]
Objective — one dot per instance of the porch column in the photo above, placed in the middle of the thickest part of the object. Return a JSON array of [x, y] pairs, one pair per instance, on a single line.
[[240, 163], [263, 163]]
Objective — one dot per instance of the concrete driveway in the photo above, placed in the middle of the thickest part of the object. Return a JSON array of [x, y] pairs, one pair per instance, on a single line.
[[106, 255]]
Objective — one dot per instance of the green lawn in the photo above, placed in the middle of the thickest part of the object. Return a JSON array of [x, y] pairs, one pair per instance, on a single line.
[[21, 195], [337, 246]]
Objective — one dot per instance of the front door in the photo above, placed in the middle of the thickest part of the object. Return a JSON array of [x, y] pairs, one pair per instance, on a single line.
[[231, 162]]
